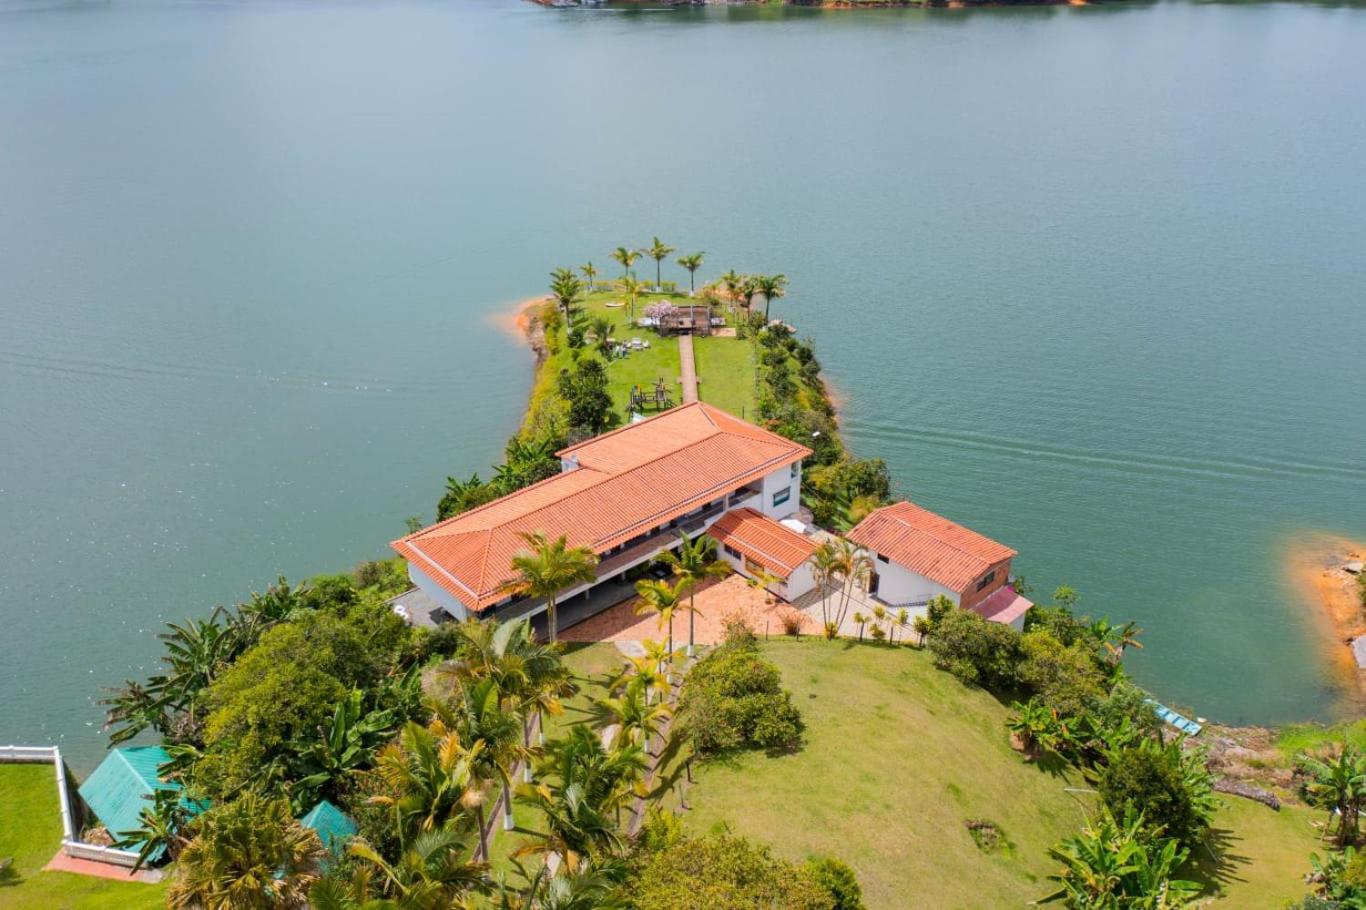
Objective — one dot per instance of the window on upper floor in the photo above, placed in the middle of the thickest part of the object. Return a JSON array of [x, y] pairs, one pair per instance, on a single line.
[[782, 496], [732, 552], [986, 579], [883, 559], [796, 468]]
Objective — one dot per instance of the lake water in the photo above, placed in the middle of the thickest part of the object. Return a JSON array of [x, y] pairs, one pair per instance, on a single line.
[[1091, 280]]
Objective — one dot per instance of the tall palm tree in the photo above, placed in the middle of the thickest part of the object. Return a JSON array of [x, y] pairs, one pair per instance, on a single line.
[[749, 286], [692, 262], [574, 828], [632, 289], [248, 854], [626, 258], [566, 288], [693, 562], [772, 287], [862, 621], [590, 274], [826, 564], [478, 713], [661, 599], [608, 776], [852, 566], [632, 712], [658, 252], [548, 568]]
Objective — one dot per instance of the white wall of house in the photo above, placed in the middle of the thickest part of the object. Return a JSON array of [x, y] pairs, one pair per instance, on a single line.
[[785, 478], [437, 593], [899, 585], [798, 583]]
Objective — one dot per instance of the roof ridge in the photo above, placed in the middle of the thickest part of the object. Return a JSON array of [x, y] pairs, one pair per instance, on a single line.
[[676, 409], [948, 543]]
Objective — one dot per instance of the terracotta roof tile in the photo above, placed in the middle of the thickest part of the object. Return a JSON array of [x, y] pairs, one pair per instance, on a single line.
[[929, 544], [778, 549], [1003, 606], [628, 482]]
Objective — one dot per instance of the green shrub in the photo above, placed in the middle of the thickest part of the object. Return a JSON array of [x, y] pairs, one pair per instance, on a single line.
[[975, 650], [733, 698], [1171, 787], [722, 872], [1065, 676], [838, 880]]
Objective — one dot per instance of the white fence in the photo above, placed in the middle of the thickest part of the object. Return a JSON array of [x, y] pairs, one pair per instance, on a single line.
[[71, 844]]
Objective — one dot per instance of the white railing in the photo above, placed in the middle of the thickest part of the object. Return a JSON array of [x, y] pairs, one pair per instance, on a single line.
[[71, 845]]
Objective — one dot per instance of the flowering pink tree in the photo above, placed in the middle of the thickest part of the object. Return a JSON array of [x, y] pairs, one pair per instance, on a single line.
[[660, 311]]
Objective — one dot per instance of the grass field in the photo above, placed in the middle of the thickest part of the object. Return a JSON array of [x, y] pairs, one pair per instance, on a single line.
[[725, 374], [31, 832], [725, 366], [900, 755]]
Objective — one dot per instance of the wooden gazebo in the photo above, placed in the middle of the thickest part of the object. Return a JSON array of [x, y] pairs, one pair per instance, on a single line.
[[690, 319]]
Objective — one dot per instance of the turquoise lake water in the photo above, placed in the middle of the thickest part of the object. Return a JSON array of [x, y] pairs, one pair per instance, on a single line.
[[1091, 280]]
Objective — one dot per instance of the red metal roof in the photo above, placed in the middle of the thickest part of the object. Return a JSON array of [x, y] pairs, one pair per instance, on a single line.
[[778, 549], [929, 544], [1003, 606], [628, 482]]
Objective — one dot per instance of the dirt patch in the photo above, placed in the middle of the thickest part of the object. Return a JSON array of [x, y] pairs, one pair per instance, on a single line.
[[520, 322]]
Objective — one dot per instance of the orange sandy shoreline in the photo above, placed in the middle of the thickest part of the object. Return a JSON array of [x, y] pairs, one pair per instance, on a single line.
[[515, 321], [1315, 564]]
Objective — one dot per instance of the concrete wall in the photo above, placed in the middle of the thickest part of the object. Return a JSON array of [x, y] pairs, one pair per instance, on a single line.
[[436, 592], [898, 585], [783, 478], [798, 583]]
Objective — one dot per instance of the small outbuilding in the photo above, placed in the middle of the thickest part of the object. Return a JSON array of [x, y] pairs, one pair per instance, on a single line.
[[124, 784], [753, 543], [334, 826]]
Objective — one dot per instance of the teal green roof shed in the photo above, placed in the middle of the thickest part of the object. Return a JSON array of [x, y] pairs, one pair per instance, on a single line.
[[333, 825], [123, 785]]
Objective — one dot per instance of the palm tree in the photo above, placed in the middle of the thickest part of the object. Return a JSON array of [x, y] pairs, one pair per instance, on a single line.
[[249, 854], [862, 621], [693, 562], [658, 252], [852, 566], [632, 712], [548, 568], [732, 280], [903, 621], [772, 287], [692, 262], [428, 777], [879, 615], [661, 599], [749, 286], [1116, 639], [477, 712], [826, 564], [602, 331], [632, 289], [1338, 784], [607, 776], [575, 829], [431, 872], [590, 273], [566, 287], [627, 258]]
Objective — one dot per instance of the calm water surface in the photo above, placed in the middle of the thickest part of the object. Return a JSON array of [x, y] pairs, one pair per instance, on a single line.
[[1091, 280]]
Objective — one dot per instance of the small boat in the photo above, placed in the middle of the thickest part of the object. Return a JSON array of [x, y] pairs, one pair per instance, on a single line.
[[1168, 716]]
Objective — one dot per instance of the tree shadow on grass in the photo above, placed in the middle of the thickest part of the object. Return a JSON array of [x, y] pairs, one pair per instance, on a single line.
[[9, 876], [1217, 863]]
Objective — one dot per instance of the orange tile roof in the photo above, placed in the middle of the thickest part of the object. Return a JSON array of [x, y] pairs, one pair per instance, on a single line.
[[628, 482], [929, 544], [778, 549]]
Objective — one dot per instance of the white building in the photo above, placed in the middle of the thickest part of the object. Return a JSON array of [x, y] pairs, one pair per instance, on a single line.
[[628, 495]]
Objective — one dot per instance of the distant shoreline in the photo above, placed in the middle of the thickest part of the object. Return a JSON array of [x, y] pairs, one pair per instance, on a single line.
[[829, 4]]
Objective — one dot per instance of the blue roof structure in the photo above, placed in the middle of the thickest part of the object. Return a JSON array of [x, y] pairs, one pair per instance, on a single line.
[[124, 784], [333, 825]]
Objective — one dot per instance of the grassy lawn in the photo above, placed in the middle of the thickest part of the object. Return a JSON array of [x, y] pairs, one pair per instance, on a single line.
[[1264, 854], [725, 365], [725, 374], [898, 756], [31, 832]]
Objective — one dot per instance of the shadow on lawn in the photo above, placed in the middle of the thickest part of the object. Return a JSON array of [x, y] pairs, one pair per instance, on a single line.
[[8, 874], [1217, 864]]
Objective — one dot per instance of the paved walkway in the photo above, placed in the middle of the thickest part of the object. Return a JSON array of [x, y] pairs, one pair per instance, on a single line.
[[689, 367]]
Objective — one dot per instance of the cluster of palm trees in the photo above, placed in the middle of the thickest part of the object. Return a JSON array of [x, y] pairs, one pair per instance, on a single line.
[[840, 566], [743, 289]]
